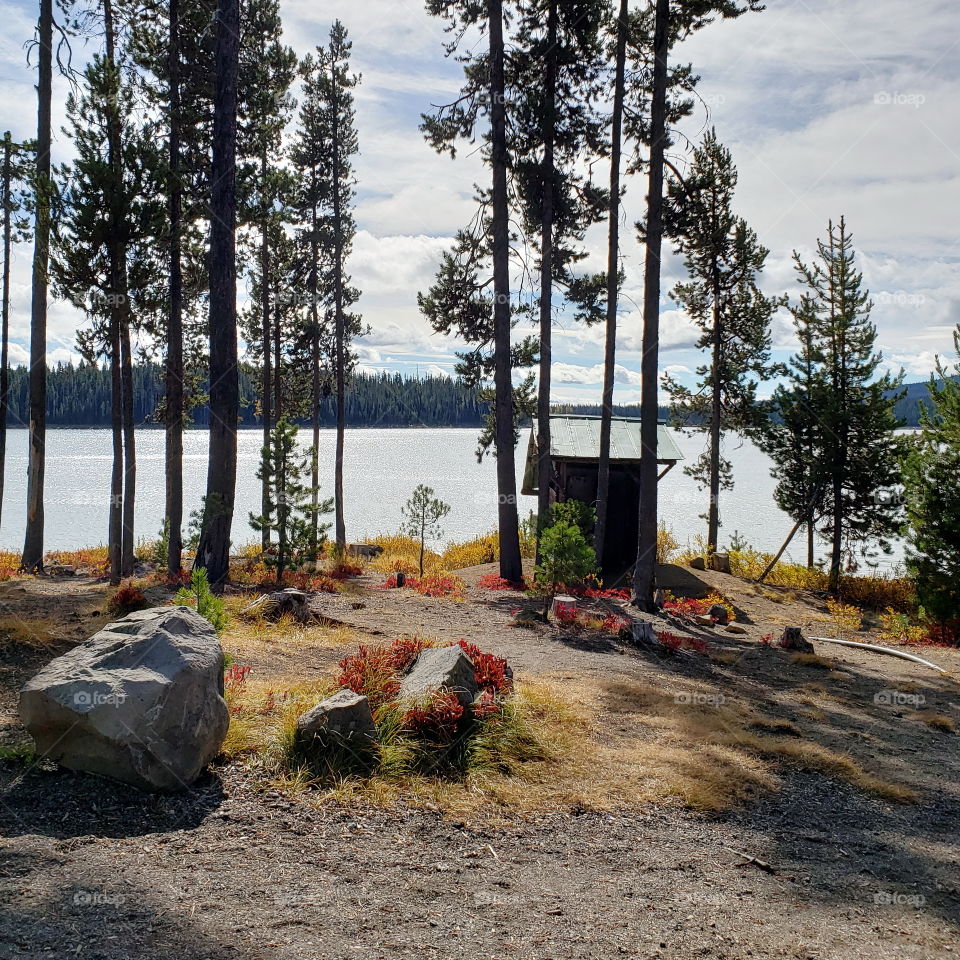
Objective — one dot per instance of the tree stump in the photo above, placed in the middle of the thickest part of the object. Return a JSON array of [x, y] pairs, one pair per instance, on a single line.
[[793, 639]]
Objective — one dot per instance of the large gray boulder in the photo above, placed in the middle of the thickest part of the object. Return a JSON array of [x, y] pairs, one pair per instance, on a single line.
[[345, 718], [141, 701], [440, 668]]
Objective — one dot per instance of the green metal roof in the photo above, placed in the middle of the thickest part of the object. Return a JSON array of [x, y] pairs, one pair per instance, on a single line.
[[578, 438]]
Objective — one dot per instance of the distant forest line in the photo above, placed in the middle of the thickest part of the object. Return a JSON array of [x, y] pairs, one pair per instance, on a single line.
[[79, 396]]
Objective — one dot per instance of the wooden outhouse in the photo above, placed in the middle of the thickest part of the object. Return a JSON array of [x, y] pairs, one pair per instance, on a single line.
[[575, 453]]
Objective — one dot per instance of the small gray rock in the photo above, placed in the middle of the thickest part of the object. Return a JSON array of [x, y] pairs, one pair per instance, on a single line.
[[720, 562], [61, 570], [366, 550], [346, 716], [720, 613], [440, 668]]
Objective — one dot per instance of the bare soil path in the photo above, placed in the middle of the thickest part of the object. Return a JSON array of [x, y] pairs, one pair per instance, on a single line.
[[92, 869]]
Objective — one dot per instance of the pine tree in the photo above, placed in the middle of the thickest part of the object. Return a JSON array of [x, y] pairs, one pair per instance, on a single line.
[[556, 58], [16, 175], [672, 22], [852, 409], [293, 507], [932, 483], [789, 436], [104, 212], [644, 571], [173, 49], [213, 549], [322, 156], [722, 297], [484, 98], [457, 304], [612, 279], [422, 514], [267, 71], [32, 557]]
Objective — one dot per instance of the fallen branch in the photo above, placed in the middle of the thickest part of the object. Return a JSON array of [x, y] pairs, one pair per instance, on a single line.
[[876, 648], [760, 864]]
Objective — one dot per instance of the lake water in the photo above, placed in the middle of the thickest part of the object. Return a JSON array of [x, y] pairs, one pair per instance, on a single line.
[[381, 468]]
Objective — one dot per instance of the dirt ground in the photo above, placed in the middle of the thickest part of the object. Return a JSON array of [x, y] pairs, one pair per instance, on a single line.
[[93, 869]]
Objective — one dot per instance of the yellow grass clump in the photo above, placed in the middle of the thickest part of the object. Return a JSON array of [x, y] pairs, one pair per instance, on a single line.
[[94, 559]]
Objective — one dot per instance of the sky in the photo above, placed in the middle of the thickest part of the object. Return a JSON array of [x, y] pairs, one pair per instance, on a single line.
[[830, 108]]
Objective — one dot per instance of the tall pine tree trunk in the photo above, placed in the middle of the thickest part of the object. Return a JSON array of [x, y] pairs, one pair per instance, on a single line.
[[174, 368], [544, 461], [266, 386], [613, 285], [339, 320], [119, 299], [5, 323], [33, 537], [129, 433], [115, 513], [716, 412], [314, 366], [511, 567], [115, 307], [645, 571], [213, 552]]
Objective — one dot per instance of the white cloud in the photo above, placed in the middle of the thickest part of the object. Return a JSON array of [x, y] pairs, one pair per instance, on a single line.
[[829, 108]]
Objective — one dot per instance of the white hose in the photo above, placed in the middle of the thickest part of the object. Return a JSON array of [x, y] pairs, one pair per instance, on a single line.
[[876, 648]]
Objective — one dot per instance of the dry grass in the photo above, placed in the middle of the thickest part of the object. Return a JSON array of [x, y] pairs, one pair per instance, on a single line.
[[937, 721], [812, 660], [248, 637], [725, 659], [262, 711], [35, 633], [670, 747]]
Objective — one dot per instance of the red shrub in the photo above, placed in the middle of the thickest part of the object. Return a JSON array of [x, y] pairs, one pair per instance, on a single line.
[[766, 640], [486, 706], [405, 650], [614, 624], [670, 640], [432, 585], [325, 584], [489, 670], [438, 585], [179, 579], [374, 671], [491, 581], [127, 599], [344, 571], [234, 683], [686, 607], [944, 634], [675, 642], [567, 618], [437, 720], [599, 593], [370, 672]]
